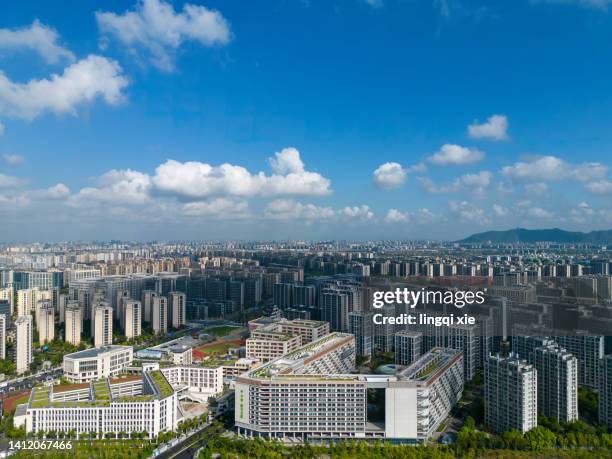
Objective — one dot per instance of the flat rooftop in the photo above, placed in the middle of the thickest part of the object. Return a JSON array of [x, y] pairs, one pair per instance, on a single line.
[[95, 352]]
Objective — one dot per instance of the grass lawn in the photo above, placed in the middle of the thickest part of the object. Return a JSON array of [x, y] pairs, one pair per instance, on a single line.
[[218, 347], [221, 330]]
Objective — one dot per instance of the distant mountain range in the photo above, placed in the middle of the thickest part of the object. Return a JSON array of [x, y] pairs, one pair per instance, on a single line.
[[541, 235]]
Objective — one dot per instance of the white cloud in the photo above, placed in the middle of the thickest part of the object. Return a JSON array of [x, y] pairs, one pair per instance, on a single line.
[[287, 161], [12, 160], [395, 216], [392, 175], [362, 212], [155, 26], [495, 128], [196, 180], [7, 181], [469, 212], [538, 212], [287, 209], [38, 38], [600, 187], [550, 168], [500, 211], [450, 154], [116, 186], [57, 191], [389, 175], [81, 82], [218, 207], [422, 215], [471, 182]]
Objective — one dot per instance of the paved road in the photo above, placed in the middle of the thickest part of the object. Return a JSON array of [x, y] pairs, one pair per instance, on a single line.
[[19, 384]]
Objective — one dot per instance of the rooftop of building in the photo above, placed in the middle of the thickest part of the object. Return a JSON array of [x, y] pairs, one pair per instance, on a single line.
[[96, 351], [289, 363], [430, 365]]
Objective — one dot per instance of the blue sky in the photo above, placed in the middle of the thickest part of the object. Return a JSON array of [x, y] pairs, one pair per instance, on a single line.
[[118, 116]]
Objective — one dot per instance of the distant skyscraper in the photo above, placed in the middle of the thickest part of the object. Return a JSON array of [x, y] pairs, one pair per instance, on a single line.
[[557, 382], [361, 326], [62, 305], [2, 336], [160, 314], [132, 311], [282, 295], [45, 324], [178, 304], [23, 344], [605, 391], [147, 303], [103, 325], [407, 346], [335, 309], [5, 308], [511, 394], [74, 324]]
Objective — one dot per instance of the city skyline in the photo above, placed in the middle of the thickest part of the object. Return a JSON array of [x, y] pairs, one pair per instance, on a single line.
[[346, 120]]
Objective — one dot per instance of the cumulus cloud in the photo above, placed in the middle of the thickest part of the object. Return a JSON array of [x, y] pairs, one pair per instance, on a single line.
[[452, 155], [362, 212], [80, 83], [389, 175], [288, 209], [422, 215], [7, 181], [467, 211], [600, 187], [392, 175], [157, 28], [395, 216], [471, 182], [12, 160], [116, 186], [495, 128], [36, 37], [218, 207], [549, 168], [196, 180]]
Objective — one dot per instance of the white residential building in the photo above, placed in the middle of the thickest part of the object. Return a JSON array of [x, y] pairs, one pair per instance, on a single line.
[[103, 325], [23, 344], [196, 379], [159, 314], [178, 304], [557, 382], [132, 311], [74, 324], [2, 336], [511, 394], [45, 324]]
